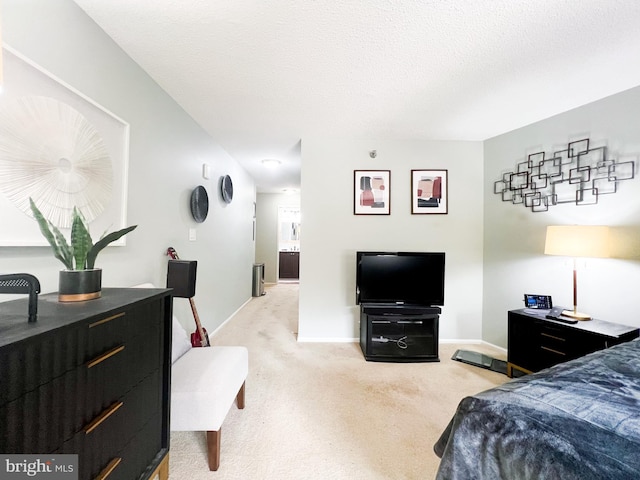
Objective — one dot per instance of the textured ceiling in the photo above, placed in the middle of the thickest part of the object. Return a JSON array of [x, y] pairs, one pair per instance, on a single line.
[[261, 75]]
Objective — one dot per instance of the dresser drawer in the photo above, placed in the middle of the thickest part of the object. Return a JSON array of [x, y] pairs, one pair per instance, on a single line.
[[139, 452], [38, 421], [94, 387], [105, 436], [42, 358], [26, 365], [104, 334], [99, 442]]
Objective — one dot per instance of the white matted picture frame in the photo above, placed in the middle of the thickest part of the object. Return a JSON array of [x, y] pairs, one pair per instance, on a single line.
[[429, 192], [372, 192], [95, 180]]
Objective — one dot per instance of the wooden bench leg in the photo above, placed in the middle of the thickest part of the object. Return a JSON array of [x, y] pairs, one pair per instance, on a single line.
[[240, 397], [213, 437], [213, 449]]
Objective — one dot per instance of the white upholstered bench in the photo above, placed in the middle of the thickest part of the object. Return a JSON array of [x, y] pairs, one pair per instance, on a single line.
[[204, 383]]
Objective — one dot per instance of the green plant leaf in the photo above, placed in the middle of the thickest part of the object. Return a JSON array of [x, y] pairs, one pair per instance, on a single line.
[[63, 252], [81, 241], [54, 238], [103, 242]]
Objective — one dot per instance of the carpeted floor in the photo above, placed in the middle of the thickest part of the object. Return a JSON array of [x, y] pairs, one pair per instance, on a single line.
[[320, 411]]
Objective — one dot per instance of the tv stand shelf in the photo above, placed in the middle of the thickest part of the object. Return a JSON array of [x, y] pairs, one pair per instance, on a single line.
[[399, 333]]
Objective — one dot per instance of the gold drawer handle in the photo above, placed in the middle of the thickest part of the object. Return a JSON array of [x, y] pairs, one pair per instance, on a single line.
[[109, 468], [104, 356], [554, 337], [102, 417], [105, 320], [552, 350]]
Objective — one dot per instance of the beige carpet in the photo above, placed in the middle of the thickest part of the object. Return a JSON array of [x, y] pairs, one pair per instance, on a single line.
[[320, 411]]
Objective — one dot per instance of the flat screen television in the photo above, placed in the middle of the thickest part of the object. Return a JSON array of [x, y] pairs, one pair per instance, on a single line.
[[410, 278]]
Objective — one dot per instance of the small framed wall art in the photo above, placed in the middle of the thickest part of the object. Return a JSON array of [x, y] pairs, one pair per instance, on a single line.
[[371, 192], [429, 192]]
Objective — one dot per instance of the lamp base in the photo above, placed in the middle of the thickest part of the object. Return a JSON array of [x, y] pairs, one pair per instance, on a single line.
[[576, 315]]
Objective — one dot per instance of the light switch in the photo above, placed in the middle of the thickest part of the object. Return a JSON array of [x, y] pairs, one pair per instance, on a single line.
[[192, 234], [205, 171]]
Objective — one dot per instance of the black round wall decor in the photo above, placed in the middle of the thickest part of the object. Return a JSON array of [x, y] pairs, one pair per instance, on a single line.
[[199, 204], [226, 189]]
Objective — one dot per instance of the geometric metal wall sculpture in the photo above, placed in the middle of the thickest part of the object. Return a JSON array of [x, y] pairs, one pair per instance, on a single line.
[[578, 174]]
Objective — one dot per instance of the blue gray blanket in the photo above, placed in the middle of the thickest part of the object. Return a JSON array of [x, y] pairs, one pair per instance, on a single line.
[[578, 420]]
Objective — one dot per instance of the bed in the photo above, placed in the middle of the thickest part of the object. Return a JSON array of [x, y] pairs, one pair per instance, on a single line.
[[577, 420]]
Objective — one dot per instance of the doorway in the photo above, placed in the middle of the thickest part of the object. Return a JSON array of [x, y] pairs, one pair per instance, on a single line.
[[288, 244]]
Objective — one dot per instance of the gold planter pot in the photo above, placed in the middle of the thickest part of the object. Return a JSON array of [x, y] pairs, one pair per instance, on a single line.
[[79, 285]]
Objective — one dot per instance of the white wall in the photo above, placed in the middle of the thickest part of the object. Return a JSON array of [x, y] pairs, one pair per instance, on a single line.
[[267, 230], [332, 233], [514, 262], [167, 151]]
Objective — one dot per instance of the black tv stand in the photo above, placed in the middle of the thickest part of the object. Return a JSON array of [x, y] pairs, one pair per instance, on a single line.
[[392, 332]]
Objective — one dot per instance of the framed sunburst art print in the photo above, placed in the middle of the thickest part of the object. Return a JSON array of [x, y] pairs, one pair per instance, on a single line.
[[60, 148]]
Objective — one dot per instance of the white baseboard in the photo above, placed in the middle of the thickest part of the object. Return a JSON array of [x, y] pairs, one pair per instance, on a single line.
[[229, 318], [495, 346], [469, 341]]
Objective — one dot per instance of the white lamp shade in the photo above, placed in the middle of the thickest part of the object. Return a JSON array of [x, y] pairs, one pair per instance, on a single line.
[[577, 241]]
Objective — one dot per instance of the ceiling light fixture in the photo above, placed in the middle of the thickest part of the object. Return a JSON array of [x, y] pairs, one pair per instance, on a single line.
[[271, 162]]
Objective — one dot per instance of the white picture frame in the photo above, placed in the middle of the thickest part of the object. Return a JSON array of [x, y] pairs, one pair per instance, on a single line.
[[23, 78]]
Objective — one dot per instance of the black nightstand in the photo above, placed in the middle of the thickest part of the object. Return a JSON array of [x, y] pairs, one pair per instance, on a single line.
[[536, 342]]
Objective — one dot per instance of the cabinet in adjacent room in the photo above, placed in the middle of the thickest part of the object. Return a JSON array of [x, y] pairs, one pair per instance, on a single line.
[[289, 265], [89, 378]]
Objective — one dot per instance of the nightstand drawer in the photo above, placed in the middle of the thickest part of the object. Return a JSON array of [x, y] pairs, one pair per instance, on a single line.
[[552, 340], [548, 357]]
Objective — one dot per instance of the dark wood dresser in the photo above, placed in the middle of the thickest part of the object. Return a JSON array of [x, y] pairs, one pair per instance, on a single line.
[[89, 378], [536, 342]]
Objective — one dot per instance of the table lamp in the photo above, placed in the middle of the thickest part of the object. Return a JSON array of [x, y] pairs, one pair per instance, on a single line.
[[577, 241]]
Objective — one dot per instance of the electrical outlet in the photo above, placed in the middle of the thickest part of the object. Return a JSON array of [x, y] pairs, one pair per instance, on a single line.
[[192, 235]]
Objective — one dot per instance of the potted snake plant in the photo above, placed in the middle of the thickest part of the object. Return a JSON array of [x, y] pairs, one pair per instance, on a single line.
[[80, 280]]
